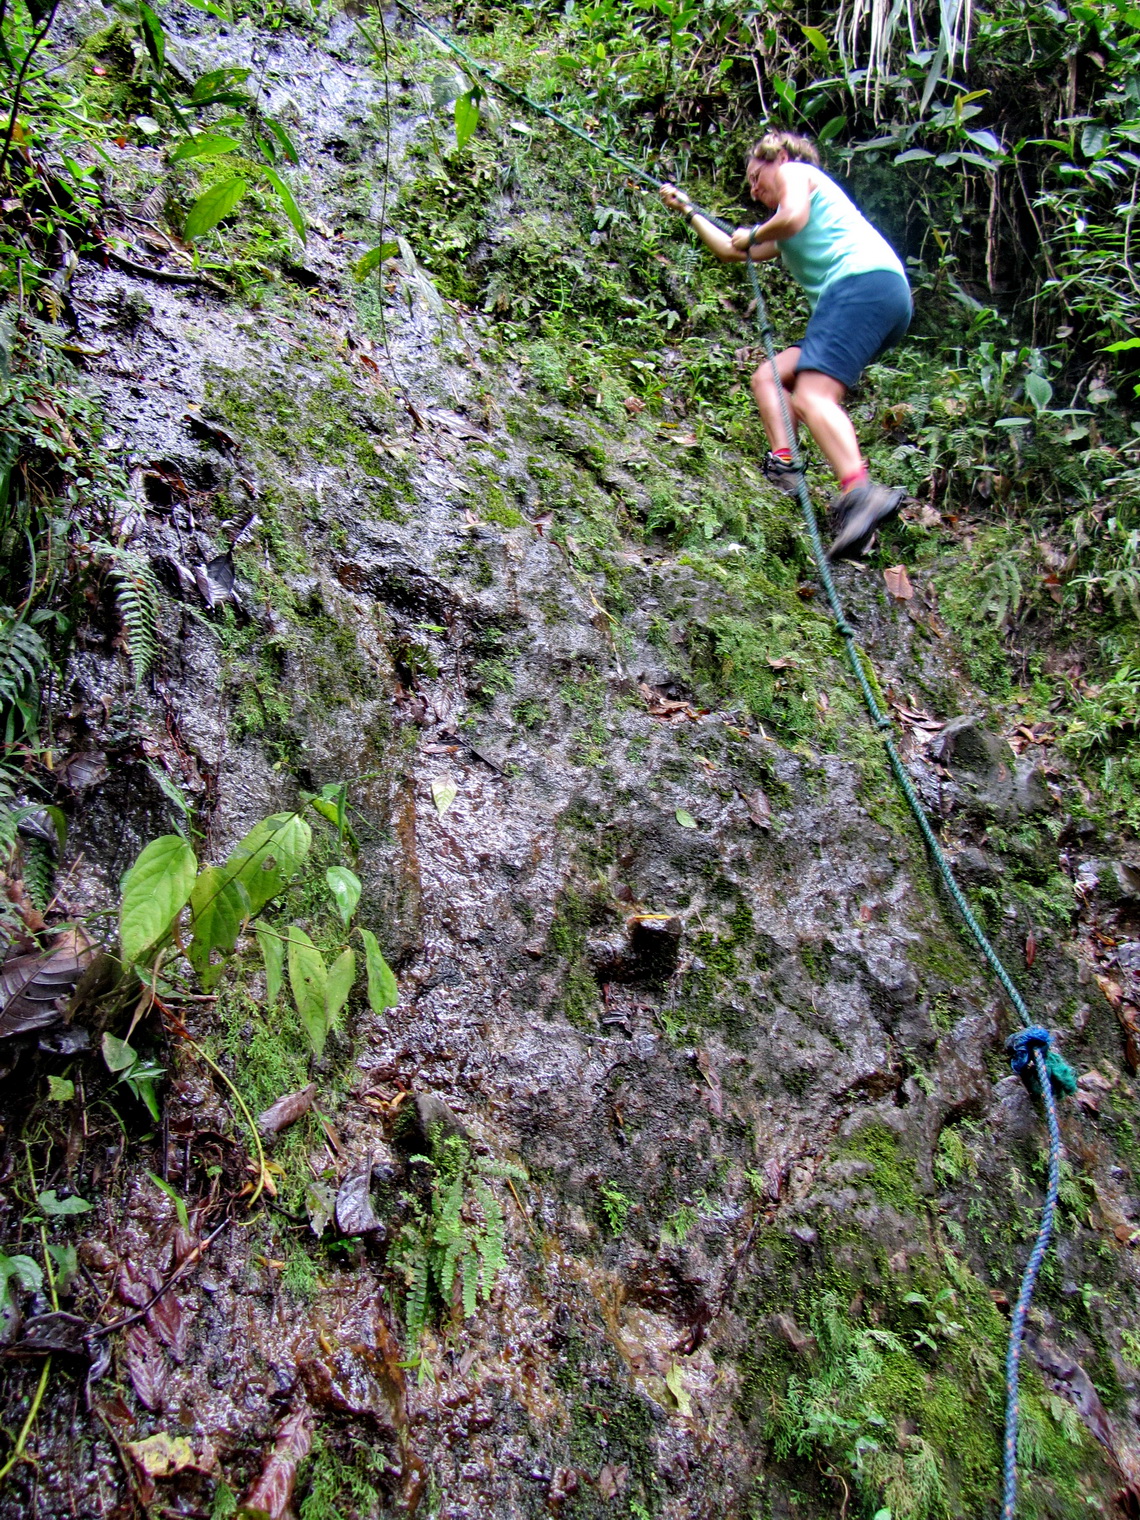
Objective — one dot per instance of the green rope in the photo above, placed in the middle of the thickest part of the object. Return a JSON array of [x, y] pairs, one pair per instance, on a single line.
[[1049, 1069]]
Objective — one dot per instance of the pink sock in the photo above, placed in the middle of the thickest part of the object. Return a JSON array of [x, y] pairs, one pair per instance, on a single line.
[[856, 479]]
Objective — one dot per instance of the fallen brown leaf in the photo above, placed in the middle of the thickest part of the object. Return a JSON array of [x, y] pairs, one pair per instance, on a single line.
[[898, 583], [287, 1110], [33, 986], [759, 808]]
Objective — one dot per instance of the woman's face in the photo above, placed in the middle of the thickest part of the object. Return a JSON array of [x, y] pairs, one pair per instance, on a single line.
[[762, 179]]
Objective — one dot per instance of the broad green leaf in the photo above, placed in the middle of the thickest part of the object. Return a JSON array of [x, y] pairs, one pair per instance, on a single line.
[[269, 856], [816, 38], [59, 1208], [155, 890], [1038, 389], [342, 974], [60, 1089], [208, 210], [118, 1055], [25, 1269], [141, 1082], [153, 35], [677, 1388], [326, 809], [273, 954], [685, 818], [1094, 136], [383, 991], [345, 888], [66, 1259], [292, 210], [308, 977], [786, 91], [284, 139], [210, 7], [204, 145], [832, 129], [218, 86], [986, 139], [1118, 348], [466, 116], [913, 155], [373, 259], [443, 794], [218, 905]]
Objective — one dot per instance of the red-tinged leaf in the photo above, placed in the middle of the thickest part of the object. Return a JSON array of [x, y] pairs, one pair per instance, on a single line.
[[132, 1287], [147, 1366], [287, 1110], [167, 1319], [898, 583], [1030, 948], [273, 1490]]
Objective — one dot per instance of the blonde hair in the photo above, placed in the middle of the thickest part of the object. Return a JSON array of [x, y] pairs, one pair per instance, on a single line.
[[799, 149]]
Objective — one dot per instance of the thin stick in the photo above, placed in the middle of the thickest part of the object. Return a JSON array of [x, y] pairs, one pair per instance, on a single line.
[[191, 1260], [262, 1172], [21, 1439]]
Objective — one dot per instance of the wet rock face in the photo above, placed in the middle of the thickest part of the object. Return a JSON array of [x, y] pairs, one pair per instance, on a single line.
[[683, 972]]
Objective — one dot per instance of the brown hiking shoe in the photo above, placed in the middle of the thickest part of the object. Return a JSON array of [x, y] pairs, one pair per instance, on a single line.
[[854, 517]]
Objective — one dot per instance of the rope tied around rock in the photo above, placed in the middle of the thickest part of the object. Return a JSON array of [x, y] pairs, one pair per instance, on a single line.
[[1044, 1071]]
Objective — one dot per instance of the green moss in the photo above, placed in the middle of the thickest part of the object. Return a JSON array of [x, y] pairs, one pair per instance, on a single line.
[[893, 1173], [902, 1389], [609, 1422], [578, 994], [345, 1477]]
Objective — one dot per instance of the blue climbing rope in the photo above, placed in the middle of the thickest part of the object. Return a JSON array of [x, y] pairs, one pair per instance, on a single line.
[[1040, 1067]]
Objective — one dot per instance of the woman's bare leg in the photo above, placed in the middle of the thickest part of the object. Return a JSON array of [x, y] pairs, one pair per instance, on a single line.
[[817, 401], [766, 391]]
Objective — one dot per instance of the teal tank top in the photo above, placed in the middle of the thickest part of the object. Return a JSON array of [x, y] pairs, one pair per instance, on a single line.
[[836, 241]]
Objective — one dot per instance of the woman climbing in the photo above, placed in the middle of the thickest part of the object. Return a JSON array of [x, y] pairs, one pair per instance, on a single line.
[[860, 306]]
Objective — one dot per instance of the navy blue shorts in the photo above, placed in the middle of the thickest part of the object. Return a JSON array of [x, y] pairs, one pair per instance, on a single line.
[[855, 320]]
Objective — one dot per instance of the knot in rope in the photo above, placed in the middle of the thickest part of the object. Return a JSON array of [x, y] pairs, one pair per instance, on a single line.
[[1021, 1047]]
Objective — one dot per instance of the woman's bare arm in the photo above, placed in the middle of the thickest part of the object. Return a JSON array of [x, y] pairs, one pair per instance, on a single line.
[[714, 239]]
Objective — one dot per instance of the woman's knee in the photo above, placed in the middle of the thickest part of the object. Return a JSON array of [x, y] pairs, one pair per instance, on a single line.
[[811, 400], [804, 405], [764, 378]]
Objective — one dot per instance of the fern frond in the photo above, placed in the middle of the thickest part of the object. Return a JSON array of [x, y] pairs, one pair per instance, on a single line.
[[415, 1309], [23, 654], [136, 597], [38, 872], [470, 1284]]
